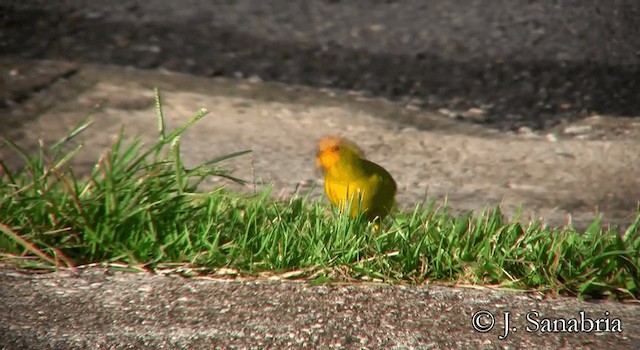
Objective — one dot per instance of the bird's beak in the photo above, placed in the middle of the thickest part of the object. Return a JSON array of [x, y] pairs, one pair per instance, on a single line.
[[318, 160]]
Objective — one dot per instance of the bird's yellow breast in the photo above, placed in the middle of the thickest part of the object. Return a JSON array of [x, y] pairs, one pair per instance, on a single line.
[[353, 182], [370, 190]]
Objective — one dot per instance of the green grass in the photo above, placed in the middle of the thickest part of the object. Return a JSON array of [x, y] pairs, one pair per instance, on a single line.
[[140, 207]]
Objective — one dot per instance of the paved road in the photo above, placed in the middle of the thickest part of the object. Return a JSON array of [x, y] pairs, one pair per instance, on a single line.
[[526, 63]]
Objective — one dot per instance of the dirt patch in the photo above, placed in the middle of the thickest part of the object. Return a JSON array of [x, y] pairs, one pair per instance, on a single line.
[[575, 171]]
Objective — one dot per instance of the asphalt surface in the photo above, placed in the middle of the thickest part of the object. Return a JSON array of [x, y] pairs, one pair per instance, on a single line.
[[533, 64]]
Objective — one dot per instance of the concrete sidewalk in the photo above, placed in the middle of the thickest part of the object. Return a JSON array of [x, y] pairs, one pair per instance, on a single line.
[[101, 308]]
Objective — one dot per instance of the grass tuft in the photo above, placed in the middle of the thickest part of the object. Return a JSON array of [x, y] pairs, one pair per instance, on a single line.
[[140, 207]]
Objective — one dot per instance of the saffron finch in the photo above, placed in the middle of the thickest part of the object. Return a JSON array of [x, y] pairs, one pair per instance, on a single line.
[[351, 181]]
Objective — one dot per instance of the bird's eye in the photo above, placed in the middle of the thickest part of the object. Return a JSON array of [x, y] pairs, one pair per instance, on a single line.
[[335, 148]]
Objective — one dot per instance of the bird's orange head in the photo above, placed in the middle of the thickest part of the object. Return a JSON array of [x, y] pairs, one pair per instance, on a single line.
[[332, 149]]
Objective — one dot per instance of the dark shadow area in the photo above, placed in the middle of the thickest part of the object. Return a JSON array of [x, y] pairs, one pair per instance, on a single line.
[[536, 94]]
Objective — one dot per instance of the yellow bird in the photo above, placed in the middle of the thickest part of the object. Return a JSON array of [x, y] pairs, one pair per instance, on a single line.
[[351, 181]]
